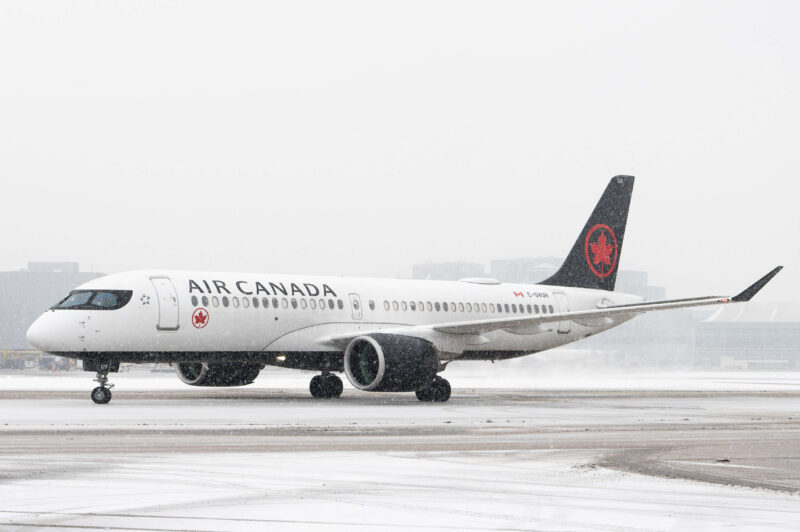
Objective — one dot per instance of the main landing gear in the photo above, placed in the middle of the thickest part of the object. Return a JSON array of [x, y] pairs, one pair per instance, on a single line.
[[102, 394], [438, 391], [326, 386]]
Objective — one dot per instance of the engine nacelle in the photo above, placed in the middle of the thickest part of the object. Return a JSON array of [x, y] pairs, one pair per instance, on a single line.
[[204, 374], [390, 363]]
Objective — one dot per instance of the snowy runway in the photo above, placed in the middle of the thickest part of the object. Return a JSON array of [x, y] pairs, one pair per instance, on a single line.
[[164, 458]]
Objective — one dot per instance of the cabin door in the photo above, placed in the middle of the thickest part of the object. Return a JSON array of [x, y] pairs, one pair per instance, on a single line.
[[355, 305], [563, 306], [167, 303]]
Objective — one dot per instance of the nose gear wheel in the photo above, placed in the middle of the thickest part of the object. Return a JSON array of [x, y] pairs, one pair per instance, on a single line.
[[102, 394]]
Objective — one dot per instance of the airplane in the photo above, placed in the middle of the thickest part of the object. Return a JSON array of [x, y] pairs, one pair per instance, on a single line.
[[385, 335]]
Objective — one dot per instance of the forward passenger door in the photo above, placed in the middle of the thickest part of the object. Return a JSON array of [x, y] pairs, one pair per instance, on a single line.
[[168, 311]]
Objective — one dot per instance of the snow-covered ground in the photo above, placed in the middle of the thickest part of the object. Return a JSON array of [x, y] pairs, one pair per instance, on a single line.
[[537, 490], [182, 458]]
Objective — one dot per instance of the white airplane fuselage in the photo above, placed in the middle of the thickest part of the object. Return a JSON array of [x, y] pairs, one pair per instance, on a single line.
[[179, 316]]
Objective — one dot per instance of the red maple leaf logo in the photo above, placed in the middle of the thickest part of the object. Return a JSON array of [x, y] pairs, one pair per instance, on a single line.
[[601, 250], [200, 318]]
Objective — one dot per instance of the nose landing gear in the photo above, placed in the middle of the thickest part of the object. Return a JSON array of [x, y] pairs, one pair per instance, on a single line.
[[102, 394], [326, 386], [438, 391]]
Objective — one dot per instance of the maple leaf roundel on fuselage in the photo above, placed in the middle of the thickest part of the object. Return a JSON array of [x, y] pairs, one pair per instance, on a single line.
[[601, 250]]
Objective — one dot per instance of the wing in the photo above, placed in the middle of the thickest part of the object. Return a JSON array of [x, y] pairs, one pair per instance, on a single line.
[[455, 336]]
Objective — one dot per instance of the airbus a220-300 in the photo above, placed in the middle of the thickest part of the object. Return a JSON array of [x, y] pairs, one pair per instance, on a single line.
[[385, 335]]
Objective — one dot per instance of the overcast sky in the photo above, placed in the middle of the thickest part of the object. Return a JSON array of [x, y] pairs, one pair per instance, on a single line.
[[361, 138]]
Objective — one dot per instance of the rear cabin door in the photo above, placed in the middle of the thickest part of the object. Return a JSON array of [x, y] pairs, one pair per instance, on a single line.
[[355, 304], [167, 304], [563, 306]]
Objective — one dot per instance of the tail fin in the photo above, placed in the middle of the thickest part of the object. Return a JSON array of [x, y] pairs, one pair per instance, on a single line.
[[594, 258]]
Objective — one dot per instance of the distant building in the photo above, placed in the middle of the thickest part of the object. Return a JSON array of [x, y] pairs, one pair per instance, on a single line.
[[447, 271], [753, 335], [527, 270], [25, 294]]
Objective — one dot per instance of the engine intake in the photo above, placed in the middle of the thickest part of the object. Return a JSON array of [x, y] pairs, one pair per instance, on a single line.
[[204, 374], [390, 363]]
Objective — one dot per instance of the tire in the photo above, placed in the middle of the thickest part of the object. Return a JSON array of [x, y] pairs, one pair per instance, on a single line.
[[101, 395], [441, 390], [317, 387], [425, 394], [333, 386]]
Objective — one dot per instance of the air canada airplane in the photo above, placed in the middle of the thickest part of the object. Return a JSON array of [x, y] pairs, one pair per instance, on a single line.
[[386, 335]]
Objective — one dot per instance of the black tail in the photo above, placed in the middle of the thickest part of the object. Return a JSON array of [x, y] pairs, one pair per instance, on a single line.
[[594, 258]]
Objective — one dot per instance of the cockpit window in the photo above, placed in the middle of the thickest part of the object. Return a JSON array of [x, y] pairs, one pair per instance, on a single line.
[[95, 300]]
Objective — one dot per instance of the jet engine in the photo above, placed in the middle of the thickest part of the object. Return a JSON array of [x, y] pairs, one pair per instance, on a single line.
[[390, 363], [205, 374]]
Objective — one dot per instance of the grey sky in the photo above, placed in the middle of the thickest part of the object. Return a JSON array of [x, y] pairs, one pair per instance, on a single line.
[[361, 138]]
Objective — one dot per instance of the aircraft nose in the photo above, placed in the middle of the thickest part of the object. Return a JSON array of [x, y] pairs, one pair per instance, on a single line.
[[37, 334]]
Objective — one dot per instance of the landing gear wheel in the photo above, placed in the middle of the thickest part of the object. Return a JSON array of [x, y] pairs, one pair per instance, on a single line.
[[334, 386], [438, 391], [101, 395], [326, 386]]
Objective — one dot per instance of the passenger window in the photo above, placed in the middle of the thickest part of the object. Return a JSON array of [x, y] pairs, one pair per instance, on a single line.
[[275, 302], [514, 308], [491, 307], [294, 303], [245, 302], [194, 301], [215, 301], [340, 304], [483, 307], [255, 302], [461, 307], [321, 304], [550, 308], [205, 301], [371, 305], [330, 304], [506, 307], [385, 305], [225, 301], [403, 306], [284, 302], [428, 306], [236, 302], [303, 304], [452, 306], [530, 310], [313, 303], [265, 302], [544, 309], [469, 307], [395, 305], [413, 306], [444, 306]]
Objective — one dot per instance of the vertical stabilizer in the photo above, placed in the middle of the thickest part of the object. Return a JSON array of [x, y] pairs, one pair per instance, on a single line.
[[594, 258]]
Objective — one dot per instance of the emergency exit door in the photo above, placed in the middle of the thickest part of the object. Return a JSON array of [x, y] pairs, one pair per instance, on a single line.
[[167, 303], [355, 304]]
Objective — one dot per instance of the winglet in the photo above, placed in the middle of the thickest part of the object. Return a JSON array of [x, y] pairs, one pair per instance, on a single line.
[[753, 289]]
